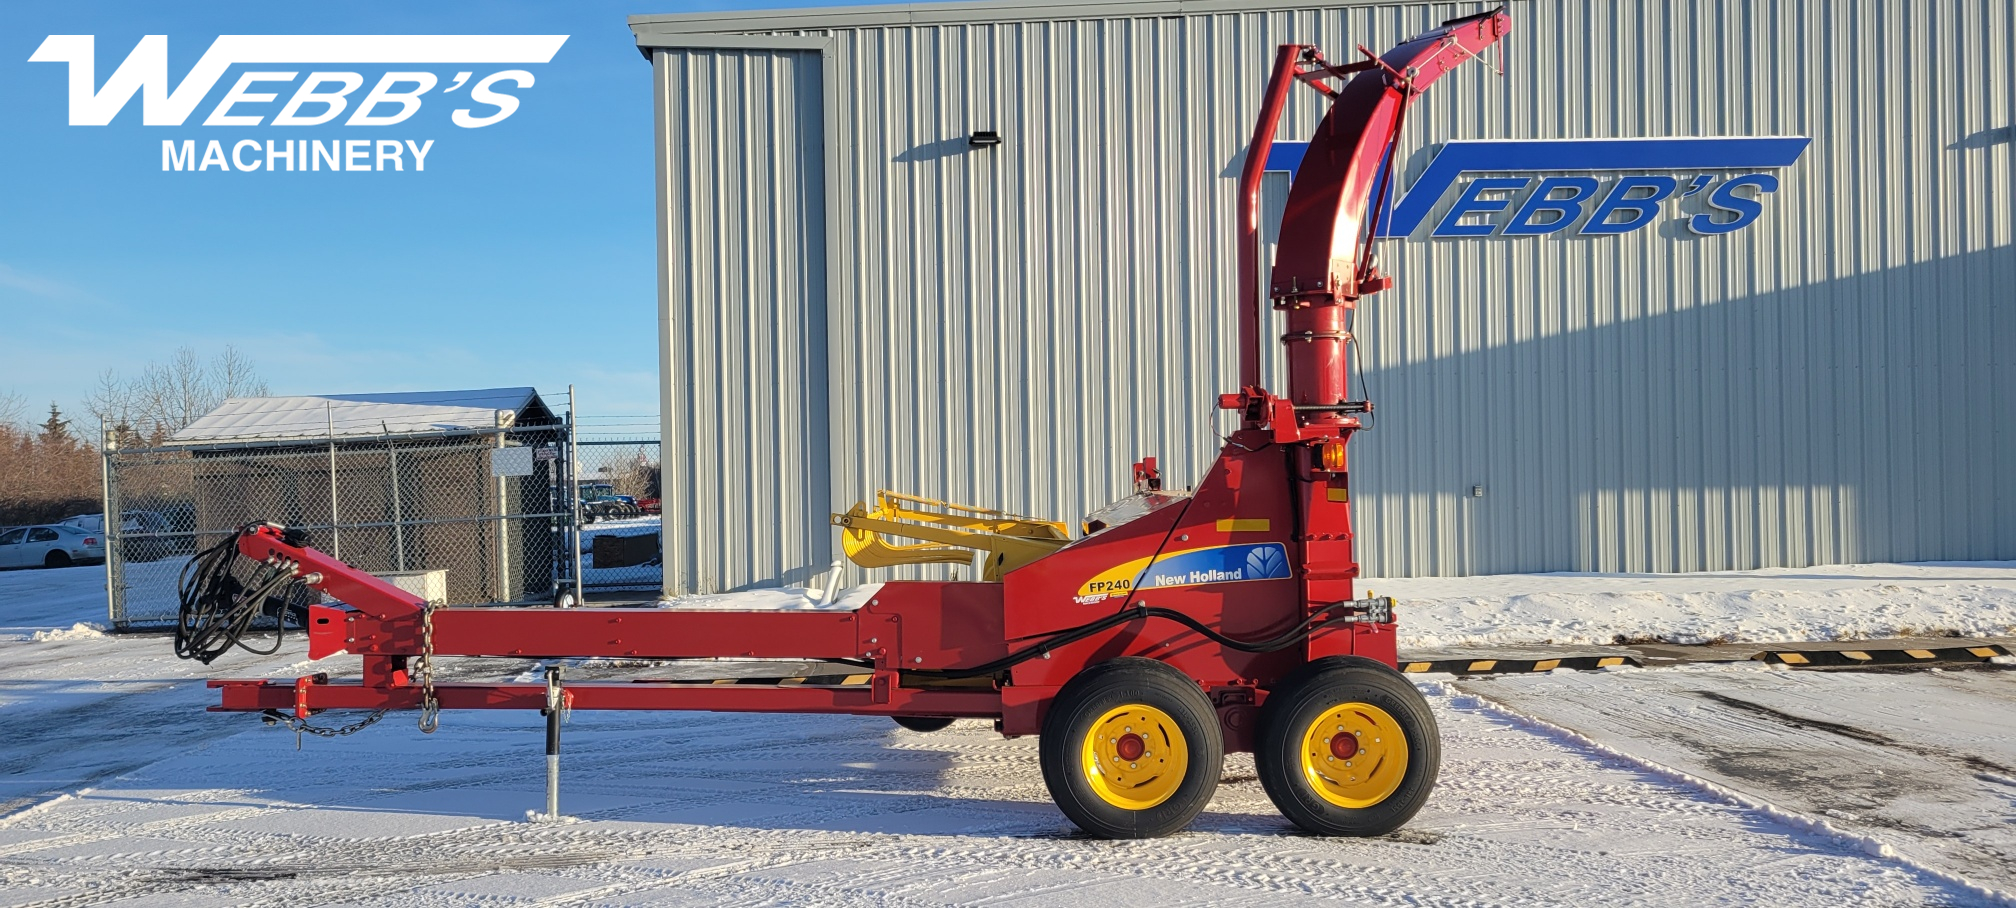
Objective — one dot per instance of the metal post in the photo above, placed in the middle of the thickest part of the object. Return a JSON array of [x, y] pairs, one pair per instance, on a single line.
[[574, 491], [115, 606], [335, 523], [503, 592], [555, 705], [398, 509]]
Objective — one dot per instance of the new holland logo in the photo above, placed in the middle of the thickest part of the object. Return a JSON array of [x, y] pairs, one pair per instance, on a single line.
[[1585, 188], [1191, 567], [318, 97]]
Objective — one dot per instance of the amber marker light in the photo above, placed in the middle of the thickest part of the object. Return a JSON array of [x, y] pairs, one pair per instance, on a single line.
[[1333, 455]]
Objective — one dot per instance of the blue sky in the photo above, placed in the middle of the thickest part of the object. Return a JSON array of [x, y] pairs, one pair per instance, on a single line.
[[522, 255]]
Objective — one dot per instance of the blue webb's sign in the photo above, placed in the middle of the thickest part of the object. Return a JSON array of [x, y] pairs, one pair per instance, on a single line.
[[1727, 181]]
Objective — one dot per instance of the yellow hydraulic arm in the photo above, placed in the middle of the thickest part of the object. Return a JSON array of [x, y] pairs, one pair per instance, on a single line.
[[953, 532]]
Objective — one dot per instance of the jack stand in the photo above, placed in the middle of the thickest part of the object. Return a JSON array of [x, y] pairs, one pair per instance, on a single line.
[[556, 709]]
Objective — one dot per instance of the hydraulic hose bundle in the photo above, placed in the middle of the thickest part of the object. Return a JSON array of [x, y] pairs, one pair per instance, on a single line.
[[218, 607]]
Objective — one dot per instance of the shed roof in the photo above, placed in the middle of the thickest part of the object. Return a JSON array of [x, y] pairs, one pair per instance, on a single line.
[[356, 415]]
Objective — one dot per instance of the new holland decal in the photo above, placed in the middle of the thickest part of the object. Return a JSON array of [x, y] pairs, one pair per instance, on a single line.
[[1214, 564]]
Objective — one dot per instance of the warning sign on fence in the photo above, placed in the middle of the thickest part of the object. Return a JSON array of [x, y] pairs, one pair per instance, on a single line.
[[511, 462]]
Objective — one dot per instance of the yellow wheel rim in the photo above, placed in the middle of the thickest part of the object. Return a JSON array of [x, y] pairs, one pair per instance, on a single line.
[[1134, 756], [1354, 755]]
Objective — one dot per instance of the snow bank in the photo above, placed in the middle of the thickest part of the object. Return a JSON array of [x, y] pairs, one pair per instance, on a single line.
[[1835, 602], [78, 631], [1747, 616]]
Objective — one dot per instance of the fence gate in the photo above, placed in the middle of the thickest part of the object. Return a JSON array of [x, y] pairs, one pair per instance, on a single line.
[[620, 544]]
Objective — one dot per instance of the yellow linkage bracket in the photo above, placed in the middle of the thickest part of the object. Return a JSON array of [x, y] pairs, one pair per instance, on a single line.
[[1010, 540]]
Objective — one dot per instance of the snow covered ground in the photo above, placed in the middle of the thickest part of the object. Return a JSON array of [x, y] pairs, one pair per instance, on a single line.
[[36, 600], [1613, 787], [697, 809]]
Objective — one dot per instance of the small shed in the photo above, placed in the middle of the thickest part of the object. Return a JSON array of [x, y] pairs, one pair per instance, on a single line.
[[465, 482]]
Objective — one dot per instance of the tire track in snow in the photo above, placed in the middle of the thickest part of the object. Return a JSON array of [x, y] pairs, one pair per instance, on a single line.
[[1789, 818]]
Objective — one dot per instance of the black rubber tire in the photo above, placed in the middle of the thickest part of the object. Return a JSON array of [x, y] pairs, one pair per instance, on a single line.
[[1106, 686], [56, 560], [1314, 689], [923, 723]]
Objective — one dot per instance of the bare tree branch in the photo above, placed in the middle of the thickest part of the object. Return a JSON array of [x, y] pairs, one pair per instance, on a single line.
[[13, 409], [113, 404], [233, 375], [167, 396]]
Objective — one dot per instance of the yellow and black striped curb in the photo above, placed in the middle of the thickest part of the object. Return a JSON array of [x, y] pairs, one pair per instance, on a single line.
[[1508, 666], [1827, 658]]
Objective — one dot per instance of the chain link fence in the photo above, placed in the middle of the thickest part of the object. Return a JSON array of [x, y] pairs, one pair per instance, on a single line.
[[618, 495], [483, 516]]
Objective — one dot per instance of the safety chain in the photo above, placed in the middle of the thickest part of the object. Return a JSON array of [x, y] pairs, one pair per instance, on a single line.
[[301, 726], [430, 709]]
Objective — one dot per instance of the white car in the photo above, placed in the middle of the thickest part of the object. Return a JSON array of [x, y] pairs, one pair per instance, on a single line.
[[49, 546], [148, 534], [131, 522], [95, 523]]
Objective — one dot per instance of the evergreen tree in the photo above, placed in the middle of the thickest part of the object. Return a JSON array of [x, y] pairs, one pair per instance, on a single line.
[[125, 436], [56, 430]]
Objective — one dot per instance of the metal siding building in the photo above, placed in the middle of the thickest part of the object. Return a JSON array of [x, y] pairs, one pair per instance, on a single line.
[[854, 298]]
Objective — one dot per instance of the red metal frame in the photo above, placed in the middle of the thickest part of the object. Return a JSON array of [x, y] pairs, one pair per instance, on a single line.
[[919, 625], [1278, 496]]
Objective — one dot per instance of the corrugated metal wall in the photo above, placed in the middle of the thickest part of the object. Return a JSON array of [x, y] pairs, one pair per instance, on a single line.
[[742, 210], [1831, 384], [1013, 326]]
